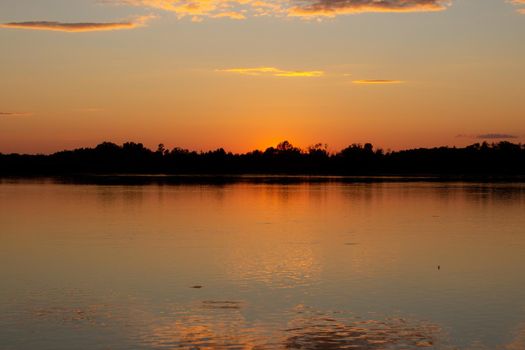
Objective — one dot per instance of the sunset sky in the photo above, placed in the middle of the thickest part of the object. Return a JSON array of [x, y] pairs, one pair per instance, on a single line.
[[246, 74]]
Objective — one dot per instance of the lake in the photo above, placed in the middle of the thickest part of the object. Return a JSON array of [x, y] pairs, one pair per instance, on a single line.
[[254, 265]]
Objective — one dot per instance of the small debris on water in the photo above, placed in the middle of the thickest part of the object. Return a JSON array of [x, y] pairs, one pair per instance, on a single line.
[[196, 287]]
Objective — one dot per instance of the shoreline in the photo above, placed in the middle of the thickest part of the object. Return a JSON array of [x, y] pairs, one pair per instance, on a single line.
[[220, 179]]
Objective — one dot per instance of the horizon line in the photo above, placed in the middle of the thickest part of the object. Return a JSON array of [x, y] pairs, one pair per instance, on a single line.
[[320, 146]]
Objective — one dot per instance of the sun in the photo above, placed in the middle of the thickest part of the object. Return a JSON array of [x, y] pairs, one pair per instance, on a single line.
[[268, 142]]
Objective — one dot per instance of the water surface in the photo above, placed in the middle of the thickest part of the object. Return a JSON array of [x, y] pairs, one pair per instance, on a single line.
[[262, 266]]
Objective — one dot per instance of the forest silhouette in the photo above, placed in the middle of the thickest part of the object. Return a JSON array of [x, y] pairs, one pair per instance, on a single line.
[[480, 159]]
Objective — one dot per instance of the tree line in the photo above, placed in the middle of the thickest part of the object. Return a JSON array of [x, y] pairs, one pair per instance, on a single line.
[[503, 158]]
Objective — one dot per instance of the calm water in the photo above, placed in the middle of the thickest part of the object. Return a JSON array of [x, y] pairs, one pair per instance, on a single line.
[[298, 266]]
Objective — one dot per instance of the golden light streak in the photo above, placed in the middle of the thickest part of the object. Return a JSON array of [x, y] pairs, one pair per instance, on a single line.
[[276, 72], [377, 81]]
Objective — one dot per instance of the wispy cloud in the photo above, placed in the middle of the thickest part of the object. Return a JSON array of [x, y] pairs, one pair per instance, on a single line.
[[519, 3], [240, 9], [489, 136], [331, 8], [496, 136], [377, 82], [79, 27], [199, 9], [230, 14], [272, 71], [14, 114]]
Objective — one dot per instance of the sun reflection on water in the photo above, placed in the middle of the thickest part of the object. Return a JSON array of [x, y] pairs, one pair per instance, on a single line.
[[282, 266]]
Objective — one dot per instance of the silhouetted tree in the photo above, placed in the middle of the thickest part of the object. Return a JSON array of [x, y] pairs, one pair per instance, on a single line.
[[503, 158]]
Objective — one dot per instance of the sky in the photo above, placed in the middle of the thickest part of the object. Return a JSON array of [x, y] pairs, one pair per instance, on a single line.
[[247, 74]]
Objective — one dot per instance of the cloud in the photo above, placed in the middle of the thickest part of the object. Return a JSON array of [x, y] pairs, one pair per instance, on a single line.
[[14, 114], [490, 136], [331, 8], [496, 136], [377, 82], [240, 9], [209, 8], [519, 3], [230, 14], [78, 27], [272, 71]]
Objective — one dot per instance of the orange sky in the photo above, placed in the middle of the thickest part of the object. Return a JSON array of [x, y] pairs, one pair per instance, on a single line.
[[203, 75]]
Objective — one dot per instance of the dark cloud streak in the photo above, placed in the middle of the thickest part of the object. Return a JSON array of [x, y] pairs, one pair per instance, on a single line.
[[13, 114], [77, 27], [496, 136], [336, 7]]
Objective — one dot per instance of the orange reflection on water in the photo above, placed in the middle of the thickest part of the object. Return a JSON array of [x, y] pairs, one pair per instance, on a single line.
[[334, 246], [307, 329]]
